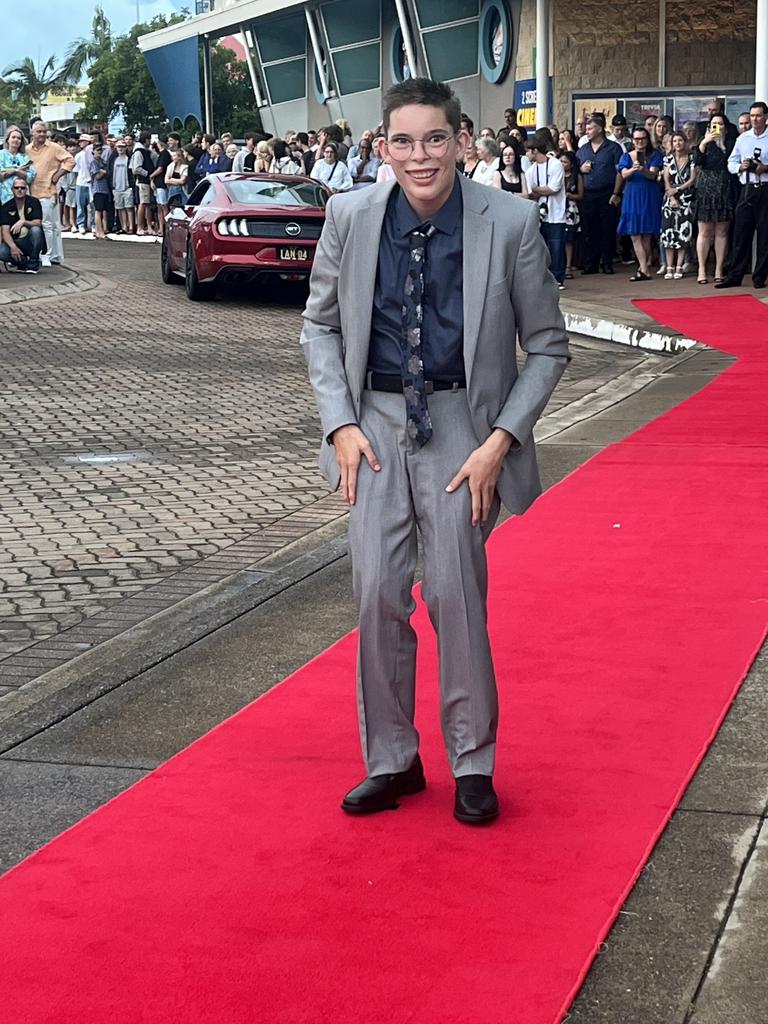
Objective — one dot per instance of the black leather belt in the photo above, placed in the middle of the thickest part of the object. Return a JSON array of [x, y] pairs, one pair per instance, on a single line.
[[393, 383]]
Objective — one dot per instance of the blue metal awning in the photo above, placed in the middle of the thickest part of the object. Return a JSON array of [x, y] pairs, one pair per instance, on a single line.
[[175, 69]]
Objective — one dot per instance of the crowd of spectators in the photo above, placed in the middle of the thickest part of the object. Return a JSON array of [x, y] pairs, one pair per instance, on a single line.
[[656, 196]]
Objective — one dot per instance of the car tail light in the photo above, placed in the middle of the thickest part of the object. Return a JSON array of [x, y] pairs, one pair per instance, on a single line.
[[233, 226]]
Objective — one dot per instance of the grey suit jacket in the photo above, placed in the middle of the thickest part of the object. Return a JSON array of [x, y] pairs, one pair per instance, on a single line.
[[508, 294]]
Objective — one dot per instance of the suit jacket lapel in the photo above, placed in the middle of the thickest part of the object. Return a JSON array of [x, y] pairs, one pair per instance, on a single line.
[[364, 253], [478, 236]]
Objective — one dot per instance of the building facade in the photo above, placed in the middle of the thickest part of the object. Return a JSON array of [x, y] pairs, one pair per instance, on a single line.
[[314, 61]]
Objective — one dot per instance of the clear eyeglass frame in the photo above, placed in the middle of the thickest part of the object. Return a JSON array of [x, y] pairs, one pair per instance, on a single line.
[[402, 147]]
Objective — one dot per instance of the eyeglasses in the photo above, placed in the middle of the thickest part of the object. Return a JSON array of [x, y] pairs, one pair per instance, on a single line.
[[18, 188], [435, 144]]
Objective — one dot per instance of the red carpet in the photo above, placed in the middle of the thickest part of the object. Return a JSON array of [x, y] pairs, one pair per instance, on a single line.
[[226, 887]]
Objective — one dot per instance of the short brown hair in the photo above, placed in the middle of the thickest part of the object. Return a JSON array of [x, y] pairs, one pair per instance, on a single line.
[[423, 92]]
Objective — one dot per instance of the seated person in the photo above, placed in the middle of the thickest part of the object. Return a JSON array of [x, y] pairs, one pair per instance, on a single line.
[[21, 230]]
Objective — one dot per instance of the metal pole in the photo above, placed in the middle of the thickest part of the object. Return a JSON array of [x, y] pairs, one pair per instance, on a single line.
[[409, 51], [207, 86], [662, 44], [542, 63], [761, 52], [317, 52], [248, 43]]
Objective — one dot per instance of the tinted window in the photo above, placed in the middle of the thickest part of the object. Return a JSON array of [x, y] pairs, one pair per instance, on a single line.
[[198, 193], [273, 193]]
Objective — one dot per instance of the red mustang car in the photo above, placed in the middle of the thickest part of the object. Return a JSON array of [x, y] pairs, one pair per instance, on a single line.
[[243, 225]]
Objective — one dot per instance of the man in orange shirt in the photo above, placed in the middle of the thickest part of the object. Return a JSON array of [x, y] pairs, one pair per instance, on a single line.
[[51, 162]]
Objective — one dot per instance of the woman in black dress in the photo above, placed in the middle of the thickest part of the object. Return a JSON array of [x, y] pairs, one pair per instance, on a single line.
[[508, 175], [714, 202], [574, 195]]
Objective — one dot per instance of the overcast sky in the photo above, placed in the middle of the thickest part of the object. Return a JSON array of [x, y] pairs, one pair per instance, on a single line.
[[39, 28]]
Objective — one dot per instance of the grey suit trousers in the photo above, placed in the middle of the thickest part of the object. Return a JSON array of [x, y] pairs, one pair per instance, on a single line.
[[409, 493]]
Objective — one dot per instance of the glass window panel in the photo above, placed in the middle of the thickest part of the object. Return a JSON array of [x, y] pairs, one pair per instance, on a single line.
[[438, 12], [358, 69], [351, 21], [452, 52], [279, 38], [287, 81]]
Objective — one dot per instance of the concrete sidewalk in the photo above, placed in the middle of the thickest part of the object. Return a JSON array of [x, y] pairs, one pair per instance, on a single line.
[[689, 946]]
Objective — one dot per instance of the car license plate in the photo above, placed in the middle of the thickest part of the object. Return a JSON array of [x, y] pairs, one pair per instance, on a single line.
[[294, 255]]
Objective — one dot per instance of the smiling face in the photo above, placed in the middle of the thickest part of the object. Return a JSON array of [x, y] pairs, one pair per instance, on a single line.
[[427, 178], [215, 151], [39, 129], [14, 141]]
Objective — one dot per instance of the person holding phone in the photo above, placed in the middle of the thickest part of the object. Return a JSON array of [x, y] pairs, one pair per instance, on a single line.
[[713, 198], [641, 209]]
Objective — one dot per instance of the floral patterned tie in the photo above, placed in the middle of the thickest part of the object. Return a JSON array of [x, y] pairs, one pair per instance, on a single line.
[[418, 423]]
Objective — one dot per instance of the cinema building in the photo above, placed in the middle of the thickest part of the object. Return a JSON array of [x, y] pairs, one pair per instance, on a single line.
[[314, 61]]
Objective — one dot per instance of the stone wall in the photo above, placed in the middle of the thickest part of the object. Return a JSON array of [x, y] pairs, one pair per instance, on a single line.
[[711, 42], [603, 44]]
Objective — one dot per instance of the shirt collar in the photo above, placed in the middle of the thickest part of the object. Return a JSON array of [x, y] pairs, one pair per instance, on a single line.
[[445, 220]]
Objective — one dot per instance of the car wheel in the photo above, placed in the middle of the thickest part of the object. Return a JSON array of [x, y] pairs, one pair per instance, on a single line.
[[196, 290], [166, 273]]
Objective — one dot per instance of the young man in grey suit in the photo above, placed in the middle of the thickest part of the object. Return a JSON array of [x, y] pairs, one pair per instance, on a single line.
[[418, 291]]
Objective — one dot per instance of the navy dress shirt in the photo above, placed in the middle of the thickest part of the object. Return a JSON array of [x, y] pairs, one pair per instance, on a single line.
[[602, 177], [442, 344]]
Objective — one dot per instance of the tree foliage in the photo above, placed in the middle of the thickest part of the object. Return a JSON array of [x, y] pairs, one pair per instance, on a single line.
[[12, 110], [234, 107], [29, 83], [121, 75], [84, 52]]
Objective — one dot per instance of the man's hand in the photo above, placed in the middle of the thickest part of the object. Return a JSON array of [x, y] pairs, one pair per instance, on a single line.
[[351, 445], [745, 165], [16, 228], [15, 251], [481, 471], [586, 167], [614, 200]]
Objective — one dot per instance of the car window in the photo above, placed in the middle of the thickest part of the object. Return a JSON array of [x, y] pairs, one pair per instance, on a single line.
[[276, 193], [199, 193]]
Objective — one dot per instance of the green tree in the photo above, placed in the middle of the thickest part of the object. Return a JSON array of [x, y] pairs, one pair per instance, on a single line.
[[30, 84], [121, 75], [234, 107], [12, 110], [84, 52]]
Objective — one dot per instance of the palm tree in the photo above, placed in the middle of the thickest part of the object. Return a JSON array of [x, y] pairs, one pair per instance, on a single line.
[[30, 84], [83, 52]]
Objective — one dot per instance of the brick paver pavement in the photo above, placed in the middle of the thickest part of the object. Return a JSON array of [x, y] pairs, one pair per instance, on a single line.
[[151, 446]]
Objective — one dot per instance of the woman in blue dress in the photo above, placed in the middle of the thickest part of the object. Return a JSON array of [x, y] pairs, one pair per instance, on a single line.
[[641, 209]]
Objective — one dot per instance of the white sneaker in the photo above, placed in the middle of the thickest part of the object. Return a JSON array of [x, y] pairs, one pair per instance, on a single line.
[[661, 270], [45, 261], [81, 229]]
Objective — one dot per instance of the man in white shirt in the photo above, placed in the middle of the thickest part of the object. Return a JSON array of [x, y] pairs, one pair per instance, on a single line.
[[546, 186], [749, 160], [83, 184]]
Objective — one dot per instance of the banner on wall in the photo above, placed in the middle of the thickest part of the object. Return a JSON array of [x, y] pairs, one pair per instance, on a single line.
[[525, 101]]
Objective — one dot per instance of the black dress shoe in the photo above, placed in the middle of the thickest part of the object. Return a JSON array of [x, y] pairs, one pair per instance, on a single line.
[[607, 269], [476, 802], [758, 283], [380, 792], [729, 283]]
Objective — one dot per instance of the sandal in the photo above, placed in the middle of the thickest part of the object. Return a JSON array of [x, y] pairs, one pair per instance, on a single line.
[[569, 275], [719, 280], [640, 276], [704, 280], [668, 276], [678, 275]]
